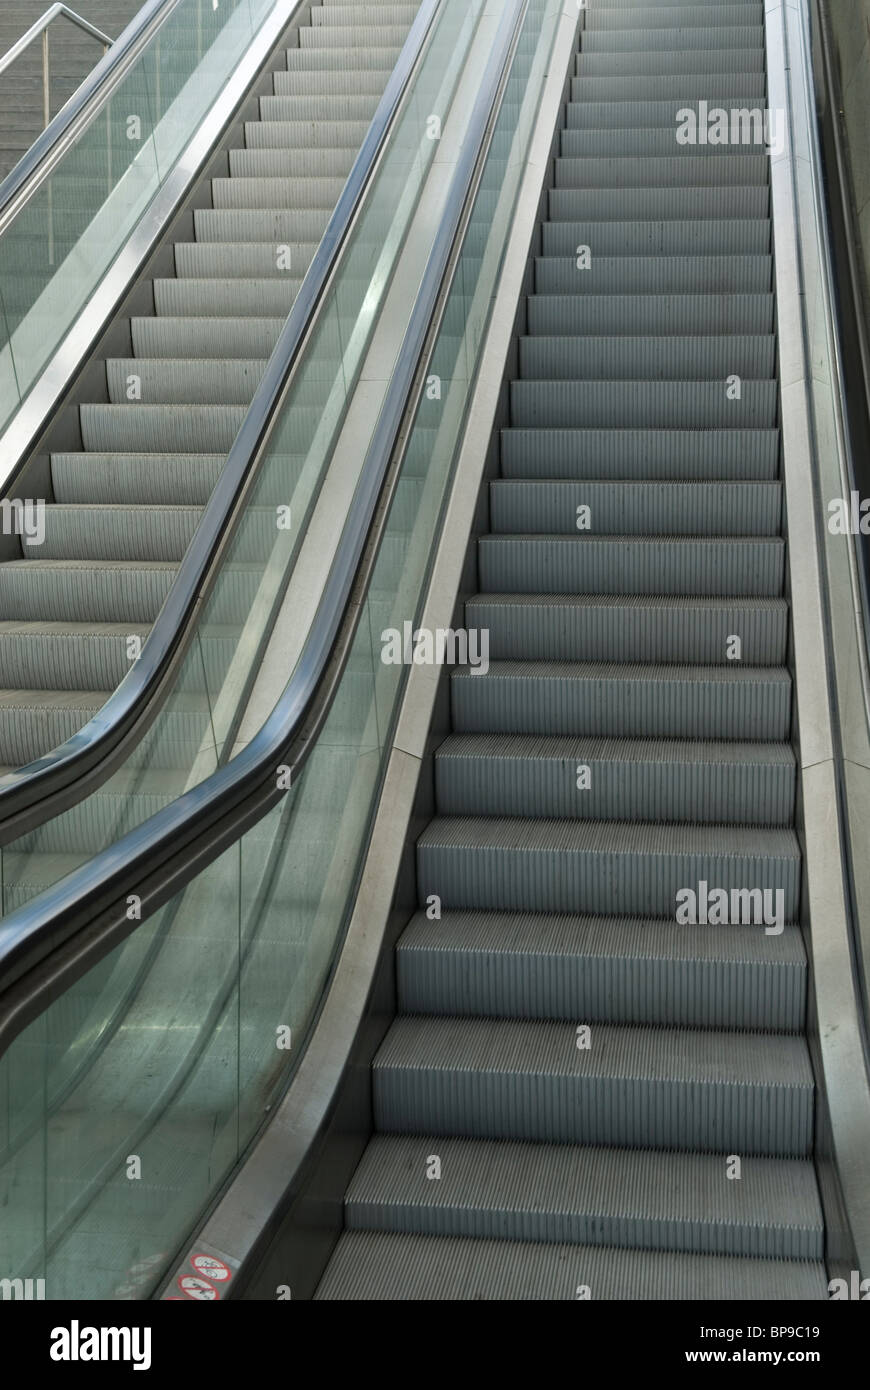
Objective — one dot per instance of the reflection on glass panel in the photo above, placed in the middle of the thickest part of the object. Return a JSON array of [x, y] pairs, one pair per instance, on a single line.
[[121, 1101]]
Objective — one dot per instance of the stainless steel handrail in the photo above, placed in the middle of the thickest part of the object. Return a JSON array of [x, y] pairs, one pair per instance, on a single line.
[[41, 26]]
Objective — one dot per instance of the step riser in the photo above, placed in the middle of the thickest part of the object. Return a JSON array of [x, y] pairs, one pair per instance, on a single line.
[[668, 509], [556, 982], [252, 261], [530, 564], [553, 632], [549, 879], [682, 172], [656, 358], [649, 275], [181, 382], [191, 298], [598, 454], [731, 87], [669, 204], [615, 705], [672, 314], [547, 786], [560, 1109], [215, 338], [647, 63], [643, 404]]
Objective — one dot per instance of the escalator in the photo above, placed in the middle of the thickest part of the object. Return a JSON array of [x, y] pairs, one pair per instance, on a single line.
[[506, 976], [131, 465], [124, 505], [613, 754]]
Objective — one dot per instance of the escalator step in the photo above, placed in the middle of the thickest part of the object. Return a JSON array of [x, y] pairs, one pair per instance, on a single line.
[[164, 429], [619, 969], [686, 171], [701, 454], [647, 404], [648, 358], [397, 1267], [735, 1093], [143, 479], [631, 628], [182, 381], [609, 204], [683, 37], [204, 337], [628, 314], [692, 84], [632, 564], [673, 63], [655, 275], [588, 1196], [624, 700], [634, 117], [516, 865], [646, 508], [704, 237], [649, 779], [251, 260]]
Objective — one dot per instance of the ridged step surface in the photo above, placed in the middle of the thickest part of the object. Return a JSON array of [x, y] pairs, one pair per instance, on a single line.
[[587, 1196], [745, 1093], [402, 1267], [512, 775], [625, 969]]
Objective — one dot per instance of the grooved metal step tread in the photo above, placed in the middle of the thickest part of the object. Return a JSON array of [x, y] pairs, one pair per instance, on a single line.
[[623, 454], [654, 274], [398, 1268], [616, 698], [670, 1088], [513, 863], [641, 627], [661, 171], [618, 507], [676, 63], [620, 142], [647, 404], [632, 564], [674, 315], [707, 753], [629, 970], [652, 357], [144, 479], [734, 203], [597, 1196]]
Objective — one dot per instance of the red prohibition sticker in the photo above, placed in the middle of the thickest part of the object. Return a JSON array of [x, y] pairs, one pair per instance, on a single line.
[[211, 1268], [200, 1289]]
